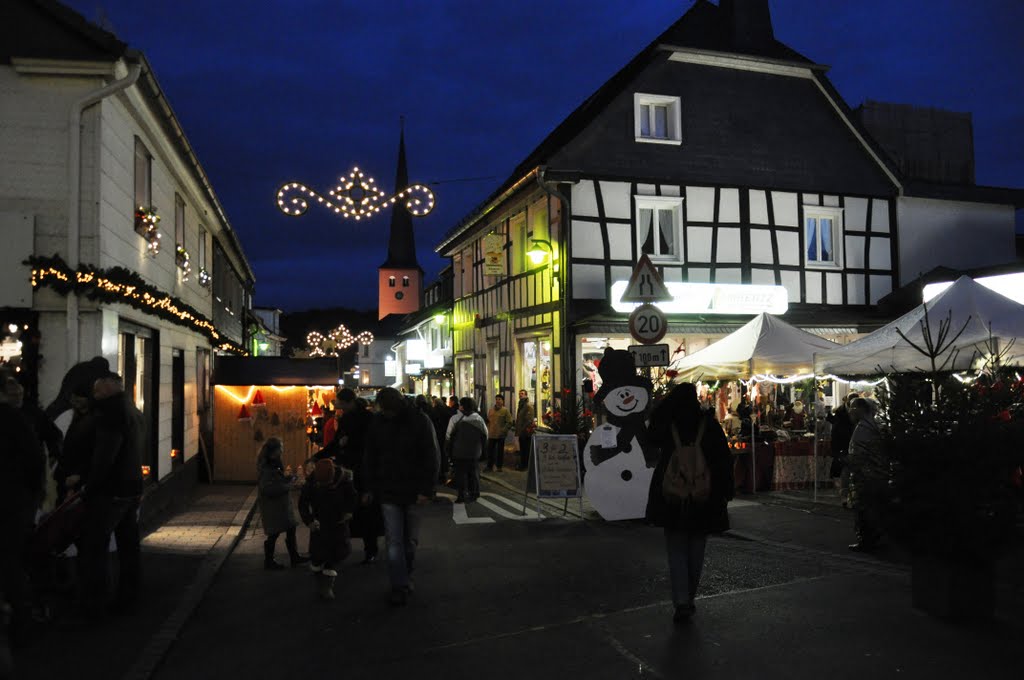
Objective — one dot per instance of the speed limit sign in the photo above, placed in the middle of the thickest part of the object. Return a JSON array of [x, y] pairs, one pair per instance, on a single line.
[[647, 324]]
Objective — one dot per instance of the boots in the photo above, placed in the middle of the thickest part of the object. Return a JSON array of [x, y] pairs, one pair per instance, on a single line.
[[268, 555], [293, 550]]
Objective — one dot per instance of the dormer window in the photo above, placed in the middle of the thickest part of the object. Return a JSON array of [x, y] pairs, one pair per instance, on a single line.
[[657, 119], [391, 282]]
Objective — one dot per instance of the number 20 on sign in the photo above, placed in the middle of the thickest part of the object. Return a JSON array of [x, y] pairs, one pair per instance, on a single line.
[[647, 324]]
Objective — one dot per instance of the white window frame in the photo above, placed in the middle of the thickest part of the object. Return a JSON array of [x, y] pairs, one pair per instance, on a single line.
[[656, 203], [819, 212], [675, 122]]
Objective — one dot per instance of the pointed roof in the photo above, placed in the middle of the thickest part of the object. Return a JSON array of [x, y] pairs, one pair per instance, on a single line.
[[401, 242]]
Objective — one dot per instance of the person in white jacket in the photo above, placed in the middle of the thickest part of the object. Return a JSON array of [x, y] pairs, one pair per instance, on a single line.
[[467, 436]]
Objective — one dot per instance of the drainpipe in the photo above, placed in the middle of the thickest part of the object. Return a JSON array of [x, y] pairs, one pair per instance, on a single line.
[[75, 192], [564, 280]]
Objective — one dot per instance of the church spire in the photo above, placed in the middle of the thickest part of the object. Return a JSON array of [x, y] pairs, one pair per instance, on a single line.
[[401, 242]]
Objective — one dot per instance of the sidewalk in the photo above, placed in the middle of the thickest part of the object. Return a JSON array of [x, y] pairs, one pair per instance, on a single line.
[[179, 561]]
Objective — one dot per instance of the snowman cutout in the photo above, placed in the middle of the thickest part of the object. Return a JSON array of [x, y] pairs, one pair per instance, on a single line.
[[618, 460]]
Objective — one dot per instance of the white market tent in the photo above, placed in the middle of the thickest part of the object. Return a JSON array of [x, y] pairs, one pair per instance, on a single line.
[[765, 345], [983, 310]]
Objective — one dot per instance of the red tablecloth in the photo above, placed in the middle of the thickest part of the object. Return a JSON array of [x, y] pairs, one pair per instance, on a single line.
[[793, 464]]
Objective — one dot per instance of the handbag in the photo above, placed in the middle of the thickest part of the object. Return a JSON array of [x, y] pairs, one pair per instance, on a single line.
[[62, 527]]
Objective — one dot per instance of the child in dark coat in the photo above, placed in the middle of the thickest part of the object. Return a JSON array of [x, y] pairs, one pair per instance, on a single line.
[[326, 504]]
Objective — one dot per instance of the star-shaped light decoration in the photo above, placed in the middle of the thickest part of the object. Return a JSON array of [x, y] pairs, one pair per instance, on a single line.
[[337, 340]]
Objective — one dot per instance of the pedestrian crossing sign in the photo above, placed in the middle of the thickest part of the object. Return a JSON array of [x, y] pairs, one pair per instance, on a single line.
[[645, 284]]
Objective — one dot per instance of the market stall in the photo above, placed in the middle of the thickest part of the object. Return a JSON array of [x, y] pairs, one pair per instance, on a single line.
[[760, 352], [985, 320]]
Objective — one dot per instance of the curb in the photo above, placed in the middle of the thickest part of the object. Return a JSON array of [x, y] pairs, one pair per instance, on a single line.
[[155, 651]]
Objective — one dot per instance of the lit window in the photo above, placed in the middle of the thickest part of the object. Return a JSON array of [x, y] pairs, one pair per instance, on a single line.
[[391, 281], [657, 119], [405, 282], [659, 226], [823, 236]]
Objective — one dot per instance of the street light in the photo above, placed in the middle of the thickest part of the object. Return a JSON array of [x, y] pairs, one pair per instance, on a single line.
[[539, 251]]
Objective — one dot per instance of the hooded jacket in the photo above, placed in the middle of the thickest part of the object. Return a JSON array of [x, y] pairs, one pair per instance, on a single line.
[[468, 438]]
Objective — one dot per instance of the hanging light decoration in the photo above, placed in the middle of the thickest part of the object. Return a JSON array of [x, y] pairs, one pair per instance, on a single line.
[[356, 196], [335, 341]]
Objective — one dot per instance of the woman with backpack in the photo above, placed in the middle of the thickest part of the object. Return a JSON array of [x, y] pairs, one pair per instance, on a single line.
[[464, 446], [690, 490]]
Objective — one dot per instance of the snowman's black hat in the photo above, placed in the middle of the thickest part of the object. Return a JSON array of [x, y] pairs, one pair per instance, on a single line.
[[617, 369]]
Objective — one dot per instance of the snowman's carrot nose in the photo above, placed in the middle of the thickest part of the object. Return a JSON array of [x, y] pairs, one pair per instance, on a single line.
[[629, 399]]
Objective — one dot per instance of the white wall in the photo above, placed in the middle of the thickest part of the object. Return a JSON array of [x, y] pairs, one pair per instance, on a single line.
[[959, 235]]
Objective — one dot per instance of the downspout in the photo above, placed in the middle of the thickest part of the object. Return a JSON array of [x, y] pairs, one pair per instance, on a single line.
[[564, 280], [75, 192]]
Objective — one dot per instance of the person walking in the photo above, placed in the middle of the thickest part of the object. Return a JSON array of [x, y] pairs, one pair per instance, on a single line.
[[842, 431], [367, 521], [276, 508], [499, 423], [440, 415], [111, 491], [690, 489], [400, 468], [868, 473], [465, 445], [21, 490], [525, 415], [326, 504]]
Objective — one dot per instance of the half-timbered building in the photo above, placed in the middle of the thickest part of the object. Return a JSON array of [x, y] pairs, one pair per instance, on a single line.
[[731, 161]]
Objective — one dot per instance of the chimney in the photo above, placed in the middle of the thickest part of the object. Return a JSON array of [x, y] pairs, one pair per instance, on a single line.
[[748, 23]]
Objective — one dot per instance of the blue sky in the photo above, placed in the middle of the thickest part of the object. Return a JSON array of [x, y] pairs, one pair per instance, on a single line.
[[305, 89]]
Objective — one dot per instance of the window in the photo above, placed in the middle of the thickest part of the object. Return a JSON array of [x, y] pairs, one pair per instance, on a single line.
[[405, 282], [823, 236], [143, 176], [366, 350], [391, 281], [657, 119], [201, 255], [179, 220], [659, 227]]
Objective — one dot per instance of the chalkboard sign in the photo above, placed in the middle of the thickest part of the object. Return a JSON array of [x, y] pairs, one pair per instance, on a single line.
[[556, 470]]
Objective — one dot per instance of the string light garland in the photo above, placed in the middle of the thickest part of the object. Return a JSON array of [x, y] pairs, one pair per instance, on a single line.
[[204, 277], [118, 284], [340, 338], [356, 196], [184, 262], [147, 225]]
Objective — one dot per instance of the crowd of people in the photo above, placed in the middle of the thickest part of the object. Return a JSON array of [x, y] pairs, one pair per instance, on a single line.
[[90, 480]]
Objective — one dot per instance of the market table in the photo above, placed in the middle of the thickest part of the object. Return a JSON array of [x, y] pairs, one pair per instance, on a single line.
[[793, 464]]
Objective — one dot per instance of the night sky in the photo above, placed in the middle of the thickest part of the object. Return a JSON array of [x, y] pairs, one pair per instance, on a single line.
[[305, 89]]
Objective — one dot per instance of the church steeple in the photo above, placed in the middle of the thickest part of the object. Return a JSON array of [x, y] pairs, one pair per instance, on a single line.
[[401, 242], [400, 278]]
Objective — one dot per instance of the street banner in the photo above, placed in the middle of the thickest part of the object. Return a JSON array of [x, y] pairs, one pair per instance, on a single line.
[[494, 255]]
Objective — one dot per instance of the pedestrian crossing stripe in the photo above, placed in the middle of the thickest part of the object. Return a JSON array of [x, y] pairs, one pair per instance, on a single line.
[[487, 500]]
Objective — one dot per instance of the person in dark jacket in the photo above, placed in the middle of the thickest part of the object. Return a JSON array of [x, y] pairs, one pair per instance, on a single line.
[[79, 440], [400, 468], [465, 445], [276, 509], [21, 490], [111, 487], [326, 504], [842, 431], [367, 521], [525, 417], [440, 414], [688, 524]]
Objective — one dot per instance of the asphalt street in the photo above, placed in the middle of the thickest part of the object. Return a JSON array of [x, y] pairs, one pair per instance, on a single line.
[[499, 595]]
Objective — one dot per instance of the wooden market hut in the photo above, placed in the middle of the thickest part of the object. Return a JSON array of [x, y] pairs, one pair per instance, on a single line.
[[260, 397]]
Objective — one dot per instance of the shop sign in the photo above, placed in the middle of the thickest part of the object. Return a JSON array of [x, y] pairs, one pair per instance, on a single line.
[[712, 298], [434, 361], [555, 466], [494, 255], [647, 324], [413, 368], [415, 349], [649, 355]]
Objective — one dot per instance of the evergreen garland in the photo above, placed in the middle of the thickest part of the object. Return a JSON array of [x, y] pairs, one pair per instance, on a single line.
[[118, 284]]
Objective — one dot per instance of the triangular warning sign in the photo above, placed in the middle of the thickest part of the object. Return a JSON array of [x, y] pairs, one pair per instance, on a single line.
[[645, 285]]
